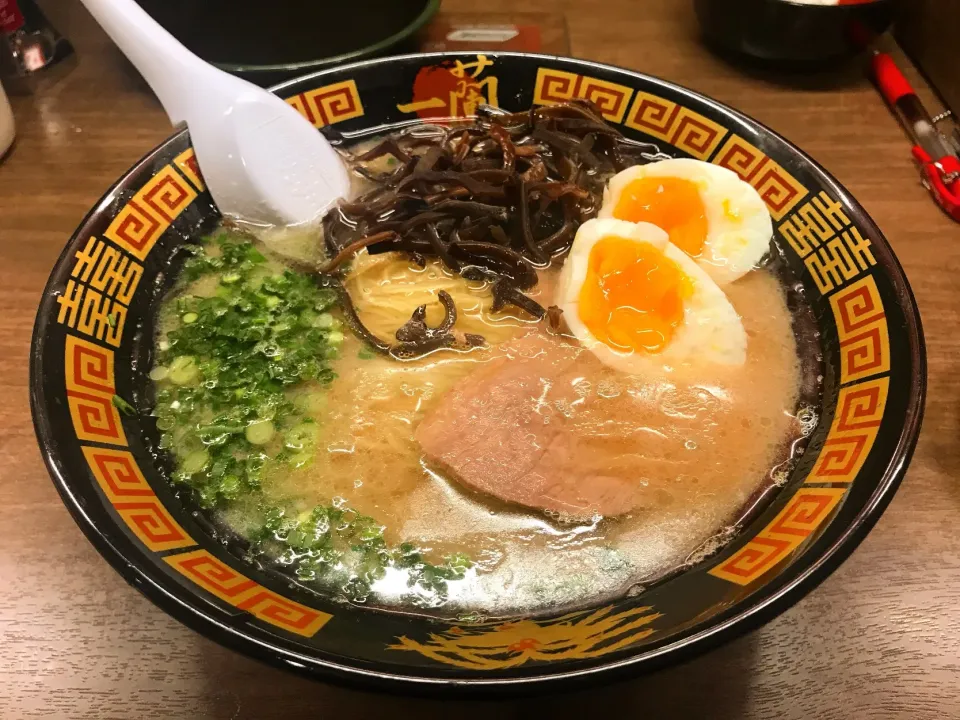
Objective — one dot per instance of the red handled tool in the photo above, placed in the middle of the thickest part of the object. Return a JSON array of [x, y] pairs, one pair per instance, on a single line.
[[939, 163]]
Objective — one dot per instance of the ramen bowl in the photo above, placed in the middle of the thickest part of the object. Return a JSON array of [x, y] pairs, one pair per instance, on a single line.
[[93, 344]]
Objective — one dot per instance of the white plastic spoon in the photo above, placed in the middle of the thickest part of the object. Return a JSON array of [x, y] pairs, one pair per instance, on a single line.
[[263, 162]]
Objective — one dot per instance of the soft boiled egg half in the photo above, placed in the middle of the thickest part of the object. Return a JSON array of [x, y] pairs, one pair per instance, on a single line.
[[637, 301], [709, 213]]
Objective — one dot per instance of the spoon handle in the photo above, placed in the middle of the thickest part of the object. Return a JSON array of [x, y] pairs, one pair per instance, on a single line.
[[164, 63]]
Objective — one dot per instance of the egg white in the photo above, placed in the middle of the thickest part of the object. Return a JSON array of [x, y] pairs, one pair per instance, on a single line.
[[710, 331], [739, 228]]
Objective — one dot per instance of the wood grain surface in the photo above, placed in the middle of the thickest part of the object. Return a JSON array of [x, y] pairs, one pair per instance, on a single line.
[[879, 639]]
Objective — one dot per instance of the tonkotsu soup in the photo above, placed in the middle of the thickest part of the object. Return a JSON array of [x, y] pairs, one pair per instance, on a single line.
[[412, 408]]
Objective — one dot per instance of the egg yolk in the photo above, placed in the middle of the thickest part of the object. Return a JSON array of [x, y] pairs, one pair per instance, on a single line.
[[670, 203], [632, 296]]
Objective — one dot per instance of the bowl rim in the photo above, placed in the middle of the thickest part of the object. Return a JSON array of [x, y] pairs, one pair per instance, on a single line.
[[776, 597], [808, 5]]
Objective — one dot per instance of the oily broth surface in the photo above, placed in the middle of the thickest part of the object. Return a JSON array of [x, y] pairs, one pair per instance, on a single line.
[[715, 436]]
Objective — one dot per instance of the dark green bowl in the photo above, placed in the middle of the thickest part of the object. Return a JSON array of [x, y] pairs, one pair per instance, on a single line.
[[267, 42], [797, 35], [123, 257]]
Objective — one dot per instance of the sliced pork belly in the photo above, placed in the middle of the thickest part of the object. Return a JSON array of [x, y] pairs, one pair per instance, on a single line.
[[553, 429]]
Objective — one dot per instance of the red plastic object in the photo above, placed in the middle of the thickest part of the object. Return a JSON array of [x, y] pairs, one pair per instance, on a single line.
[[890, 80], [947, 195]]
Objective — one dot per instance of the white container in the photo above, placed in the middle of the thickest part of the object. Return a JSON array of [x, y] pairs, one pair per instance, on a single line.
[[6, 123]]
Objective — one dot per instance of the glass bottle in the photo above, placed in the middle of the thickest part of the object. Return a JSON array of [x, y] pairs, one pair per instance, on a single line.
[[29, 45]]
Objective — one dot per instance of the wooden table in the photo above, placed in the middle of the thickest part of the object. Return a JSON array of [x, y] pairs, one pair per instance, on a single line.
[[879, 639]]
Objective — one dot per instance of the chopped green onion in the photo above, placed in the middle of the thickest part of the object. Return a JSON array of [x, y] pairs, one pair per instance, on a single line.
[[123, 406], [301, 436], [183, 370], [195, 462], [260, 432], [159, 373], [238, 379]]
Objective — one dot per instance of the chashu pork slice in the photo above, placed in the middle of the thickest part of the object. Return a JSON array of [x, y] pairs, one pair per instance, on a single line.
[[550, 428]]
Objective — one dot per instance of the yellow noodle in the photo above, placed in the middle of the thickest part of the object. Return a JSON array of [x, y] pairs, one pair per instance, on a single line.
[[387, 288]]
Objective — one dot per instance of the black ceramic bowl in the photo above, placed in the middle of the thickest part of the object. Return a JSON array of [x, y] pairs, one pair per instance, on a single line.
[[93, 339], [786, 33]]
